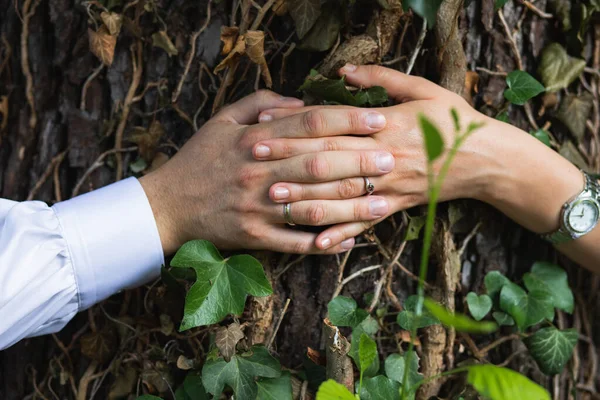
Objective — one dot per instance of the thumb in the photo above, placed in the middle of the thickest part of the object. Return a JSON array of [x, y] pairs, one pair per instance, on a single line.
[[400, 87], [246, 110]]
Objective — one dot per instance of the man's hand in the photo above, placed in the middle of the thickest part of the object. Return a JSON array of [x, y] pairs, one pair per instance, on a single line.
[[213, 188]]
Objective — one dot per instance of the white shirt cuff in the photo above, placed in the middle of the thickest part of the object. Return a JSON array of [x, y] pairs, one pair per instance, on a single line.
[[112, 238]]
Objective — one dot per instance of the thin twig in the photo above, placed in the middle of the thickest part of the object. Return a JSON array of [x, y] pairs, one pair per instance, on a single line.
[[490, 72], [87, 83], [97, 164], [49, 169], [28, 12], [537, 11], [386, 276], [355, 275], [417, 50], [272, 338], [498, 342]]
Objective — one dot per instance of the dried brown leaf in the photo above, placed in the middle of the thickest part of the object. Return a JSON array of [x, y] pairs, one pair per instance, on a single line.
[[124, 384], [102, 44], [227, 338], [255, 49], [147, 139], [3, 112], [184, 363], [234, 55], [229, 35], [113, 22], [316, 356], [161, 39], [159, 160], [280, 8], [99, 346]]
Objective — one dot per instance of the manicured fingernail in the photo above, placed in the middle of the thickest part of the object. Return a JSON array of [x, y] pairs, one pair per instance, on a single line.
[[378, 208], [262, 151], [265, 118], [325, 243], [385, 162], [281, 193], [349, 68], [292, 101], [375, 120], [347, 244]]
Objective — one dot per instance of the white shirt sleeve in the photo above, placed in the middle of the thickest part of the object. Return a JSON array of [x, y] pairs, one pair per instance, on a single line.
[[57, 261]]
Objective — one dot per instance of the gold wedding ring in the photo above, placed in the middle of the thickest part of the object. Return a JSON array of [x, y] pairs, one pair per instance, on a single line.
[[287, 214]]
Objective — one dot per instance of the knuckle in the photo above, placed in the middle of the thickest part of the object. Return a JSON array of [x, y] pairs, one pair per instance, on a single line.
[[316, 214], [314, 123], [264, 94], [365, 163], [249, 176], [347, 189], [354, 119], [330, 145], [378, 72], [358, 211], [252, 231], [299, 247], [317, 168]]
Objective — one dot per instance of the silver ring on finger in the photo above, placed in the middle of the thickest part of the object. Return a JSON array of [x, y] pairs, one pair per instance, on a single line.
[[287, 214], [369, 187]]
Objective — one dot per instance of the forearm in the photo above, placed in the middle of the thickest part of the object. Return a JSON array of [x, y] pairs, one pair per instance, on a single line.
[[531, 186]]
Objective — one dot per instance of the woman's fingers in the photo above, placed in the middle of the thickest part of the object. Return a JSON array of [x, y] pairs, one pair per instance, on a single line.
[[329, 212], [247, 110], [278, 149], [332, 237], [299, 242], [399, 86], [331, 166], [349, 188]]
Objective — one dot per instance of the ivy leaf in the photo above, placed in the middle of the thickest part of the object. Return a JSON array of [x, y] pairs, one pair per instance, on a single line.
[[331, 390], [503, 319], [504, 384], [275, 388], [368, 327], [557, 69], [542, 136], [458, 321], [548, 277], [426, 9], [380, 388], [562, 9], [526, 309], [498, 4], [305, 13], [415, 225], [102, 44], [494, 282], [408, 319], [552, 348], [479, 306], [192, 388], [332, 90], [148, 397], [522, 87], [434, 144], [395, 366], [221, 285], [375, 95], [343, 311], [325, 30], [227, 338], [574, 112], [161, 39], [240, 373], [367, 353]]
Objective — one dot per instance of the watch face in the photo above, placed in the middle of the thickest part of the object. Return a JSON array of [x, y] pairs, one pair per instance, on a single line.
[[583, 216]]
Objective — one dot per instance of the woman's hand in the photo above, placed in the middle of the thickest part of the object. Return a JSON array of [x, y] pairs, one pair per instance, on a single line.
[[213, 189], [498, 164]]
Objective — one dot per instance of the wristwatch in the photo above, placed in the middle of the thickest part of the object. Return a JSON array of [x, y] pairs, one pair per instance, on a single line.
[[579, 215]]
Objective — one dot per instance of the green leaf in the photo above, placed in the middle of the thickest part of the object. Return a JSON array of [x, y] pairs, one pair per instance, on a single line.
[[498, 383], [192, 388], [275, 388], [376, 95], [479, 306], [498, 4], [552, 349], [460, 322], [574, 112], [325, 31], [395, 366], [368, 327], [522, 87], [408, 319], [526, 309], [380, 388], [455, 119], [557, 69], [415, 225], [343, 311], [548, 277], [542, 136], [336, 91], [503, 319], [148, 397], [503, 116], [562, 9], [434, 144], [367, 353], [569, 151], [221, 285], [305, 14], [240, 373], [161, 39], [331, 390], [494, 282], [426, 9]]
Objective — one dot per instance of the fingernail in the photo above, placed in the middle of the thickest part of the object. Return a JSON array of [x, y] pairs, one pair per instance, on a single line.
[[265, 118], [325, 243], [281, 193], [385, 162], [292, 100], [347, 244], [375, 120], [378, 208], [262, 151], [349, 67]]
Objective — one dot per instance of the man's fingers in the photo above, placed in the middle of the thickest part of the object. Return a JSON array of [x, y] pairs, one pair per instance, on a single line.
[[331, 166], [329, 212], [288, 192], [323, 122], [299, 242], [278, 149], [332, 237], [246, 110], [399, 86]]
